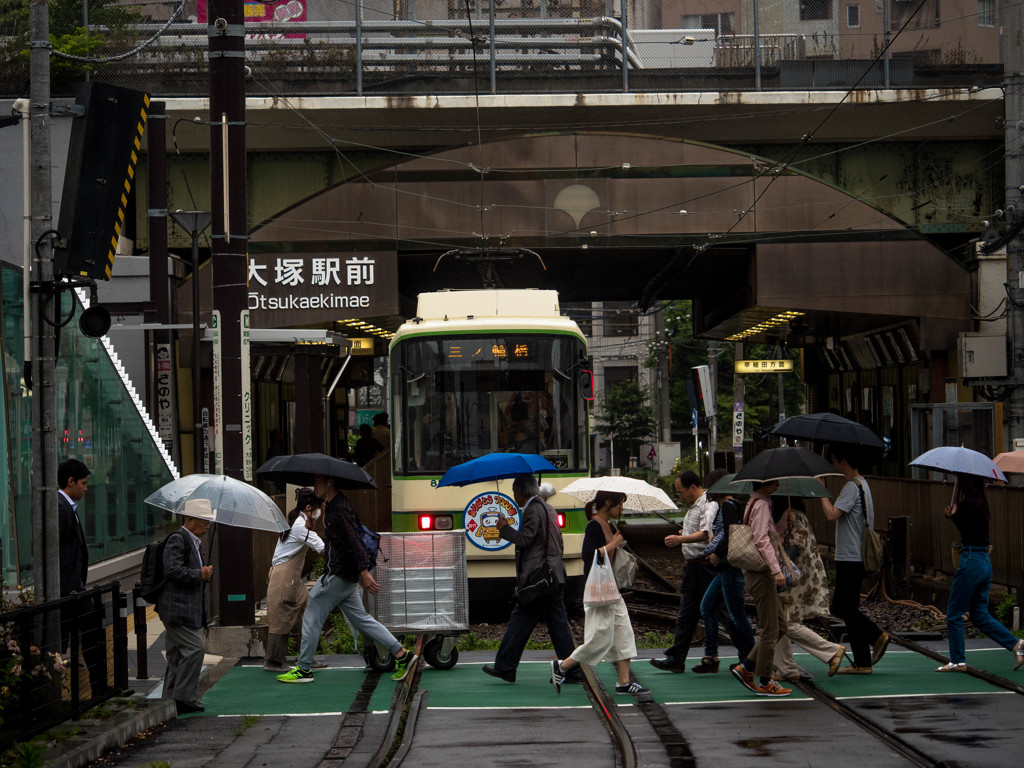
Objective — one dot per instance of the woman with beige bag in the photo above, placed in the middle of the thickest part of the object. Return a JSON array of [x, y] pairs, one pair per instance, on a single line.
[[286, 590], [754, 672], [607, 631]]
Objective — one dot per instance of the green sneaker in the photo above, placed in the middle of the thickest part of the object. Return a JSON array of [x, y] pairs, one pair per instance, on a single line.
[[403, 665], [296, 675]]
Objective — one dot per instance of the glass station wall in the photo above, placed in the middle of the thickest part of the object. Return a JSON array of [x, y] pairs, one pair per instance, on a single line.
[[97, 422]]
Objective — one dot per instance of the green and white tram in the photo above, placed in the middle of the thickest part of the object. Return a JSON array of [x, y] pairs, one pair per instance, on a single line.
[[478, 372]]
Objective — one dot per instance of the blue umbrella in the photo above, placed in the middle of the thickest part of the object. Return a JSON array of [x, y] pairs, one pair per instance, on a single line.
[[959, 461], [495, 466]]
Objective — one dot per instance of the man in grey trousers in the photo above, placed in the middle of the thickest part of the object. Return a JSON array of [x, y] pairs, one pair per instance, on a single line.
[[182, 606]]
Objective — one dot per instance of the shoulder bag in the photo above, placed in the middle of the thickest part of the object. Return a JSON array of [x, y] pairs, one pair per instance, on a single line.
[[872, 548], [624, 563], [743, 552]]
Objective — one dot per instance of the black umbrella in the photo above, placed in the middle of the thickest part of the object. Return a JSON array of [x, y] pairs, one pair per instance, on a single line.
[[300, 469], [828, 428], [781, 463]]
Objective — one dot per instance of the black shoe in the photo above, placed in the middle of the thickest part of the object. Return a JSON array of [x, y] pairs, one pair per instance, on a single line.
[[575, 676], [669, 664], [508, 677], [188, 707]]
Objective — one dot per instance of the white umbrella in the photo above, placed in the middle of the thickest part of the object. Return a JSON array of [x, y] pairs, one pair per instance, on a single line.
[[640, 496]]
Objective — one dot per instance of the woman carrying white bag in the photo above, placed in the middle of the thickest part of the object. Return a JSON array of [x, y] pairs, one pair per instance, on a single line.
[[607, 632]]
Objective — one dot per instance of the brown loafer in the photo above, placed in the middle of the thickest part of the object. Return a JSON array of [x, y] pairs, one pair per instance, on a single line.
[[879, 650], [852, 670], [835, 661]]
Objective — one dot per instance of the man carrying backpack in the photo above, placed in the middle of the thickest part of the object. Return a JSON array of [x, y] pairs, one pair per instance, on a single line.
[[182, 605], [347, 567]]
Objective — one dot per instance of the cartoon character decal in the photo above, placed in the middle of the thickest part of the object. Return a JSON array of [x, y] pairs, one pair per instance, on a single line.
[[481, 520]]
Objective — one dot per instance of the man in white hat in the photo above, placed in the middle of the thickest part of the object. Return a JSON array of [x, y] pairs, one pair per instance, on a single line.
[[182, 605]]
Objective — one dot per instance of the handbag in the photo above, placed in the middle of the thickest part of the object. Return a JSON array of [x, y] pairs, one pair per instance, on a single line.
[[789, 569], [872, 548], [625, 567], [600, 588], [743, 553]]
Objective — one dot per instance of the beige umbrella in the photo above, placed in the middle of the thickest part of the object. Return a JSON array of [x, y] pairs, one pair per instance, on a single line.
[[1010, 462]]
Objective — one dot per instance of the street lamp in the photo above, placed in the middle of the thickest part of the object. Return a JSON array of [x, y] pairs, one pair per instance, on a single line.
[[195, 222]]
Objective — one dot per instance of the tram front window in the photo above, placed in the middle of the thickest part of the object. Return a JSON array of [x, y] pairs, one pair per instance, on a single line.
[[463, 397]]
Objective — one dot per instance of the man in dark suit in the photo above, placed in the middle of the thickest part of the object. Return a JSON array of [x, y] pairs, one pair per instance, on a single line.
[[538, 543], [72, 483], [182, 605]]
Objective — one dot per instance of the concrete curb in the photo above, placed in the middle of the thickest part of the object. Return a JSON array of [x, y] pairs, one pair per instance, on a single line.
[[97, 736]]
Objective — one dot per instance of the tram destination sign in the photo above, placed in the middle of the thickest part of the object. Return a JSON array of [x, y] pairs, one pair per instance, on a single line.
[[293, 289], [763, 366]]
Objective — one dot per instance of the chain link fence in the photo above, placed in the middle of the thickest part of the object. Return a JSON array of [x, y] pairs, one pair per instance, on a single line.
[[352, 47]]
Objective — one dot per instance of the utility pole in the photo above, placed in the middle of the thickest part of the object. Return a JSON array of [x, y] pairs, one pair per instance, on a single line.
[[45, 531], [1013, 80], [230, 238]]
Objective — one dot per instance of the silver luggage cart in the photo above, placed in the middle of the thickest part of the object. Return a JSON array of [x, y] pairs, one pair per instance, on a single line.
[[423, 592]]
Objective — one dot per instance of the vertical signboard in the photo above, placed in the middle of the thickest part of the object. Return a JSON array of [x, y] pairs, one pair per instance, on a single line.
[[165, 395], [218, 395], [244, 359], [737, 429]]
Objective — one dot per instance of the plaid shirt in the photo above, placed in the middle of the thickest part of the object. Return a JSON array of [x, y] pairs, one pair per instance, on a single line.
[[345, 554]]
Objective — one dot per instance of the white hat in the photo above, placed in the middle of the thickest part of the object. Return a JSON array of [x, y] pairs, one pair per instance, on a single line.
[[547, 490], [199, 509]]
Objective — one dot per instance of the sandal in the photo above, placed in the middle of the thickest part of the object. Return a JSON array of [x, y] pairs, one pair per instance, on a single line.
[[1018, 650], [951, 667]]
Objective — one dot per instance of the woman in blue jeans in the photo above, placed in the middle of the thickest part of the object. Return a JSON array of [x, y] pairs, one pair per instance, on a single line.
[[726, 590], [973, 576]]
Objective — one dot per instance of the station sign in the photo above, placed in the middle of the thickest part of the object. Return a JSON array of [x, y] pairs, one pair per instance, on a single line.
[[763, 366], [292, 290]]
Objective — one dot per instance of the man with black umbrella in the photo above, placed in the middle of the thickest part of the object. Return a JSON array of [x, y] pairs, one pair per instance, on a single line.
[[347, 567]]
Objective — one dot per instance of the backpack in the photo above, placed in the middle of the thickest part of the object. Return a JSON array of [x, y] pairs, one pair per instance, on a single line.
[[872, 548], [151, 579], [371, 540]]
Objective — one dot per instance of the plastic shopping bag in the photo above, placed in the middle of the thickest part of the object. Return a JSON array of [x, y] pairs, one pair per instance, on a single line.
[[600, 588]]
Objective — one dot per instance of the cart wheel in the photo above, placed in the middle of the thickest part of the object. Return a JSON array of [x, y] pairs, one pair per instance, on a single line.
[[432, 653], [378, 662]]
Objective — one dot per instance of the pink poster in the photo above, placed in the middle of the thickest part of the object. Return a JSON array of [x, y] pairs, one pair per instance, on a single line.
[[281, 11]]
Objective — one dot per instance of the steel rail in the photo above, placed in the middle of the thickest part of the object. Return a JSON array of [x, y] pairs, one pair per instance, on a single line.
[[981, 674], [891, 740]]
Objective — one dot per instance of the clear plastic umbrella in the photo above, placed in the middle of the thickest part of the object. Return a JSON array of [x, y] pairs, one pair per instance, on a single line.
[[235, 502]]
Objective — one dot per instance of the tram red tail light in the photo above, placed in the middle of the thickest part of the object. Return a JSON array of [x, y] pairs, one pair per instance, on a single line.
[[561, 519], [428, 522]]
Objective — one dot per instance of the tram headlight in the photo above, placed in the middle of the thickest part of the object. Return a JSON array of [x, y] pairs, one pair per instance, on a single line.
[[561, 519]]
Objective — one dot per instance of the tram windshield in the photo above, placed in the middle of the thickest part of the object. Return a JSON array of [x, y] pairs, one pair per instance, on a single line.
[[457, 397]]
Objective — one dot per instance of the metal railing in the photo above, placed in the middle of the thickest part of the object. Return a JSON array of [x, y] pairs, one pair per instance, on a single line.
[[54, 652]]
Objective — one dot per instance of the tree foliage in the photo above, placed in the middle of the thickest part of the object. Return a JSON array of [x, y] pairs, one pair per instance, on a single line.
[[625, 413], [760, 392]]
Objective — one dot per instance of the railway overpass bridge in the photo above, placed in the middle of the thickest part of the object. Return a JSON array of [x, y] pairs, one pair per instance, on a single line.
[[858, 209]]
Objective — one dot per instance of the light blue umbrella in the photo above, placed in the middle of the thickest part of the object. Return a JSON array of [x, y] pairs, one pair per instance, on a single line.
[[959, 461]]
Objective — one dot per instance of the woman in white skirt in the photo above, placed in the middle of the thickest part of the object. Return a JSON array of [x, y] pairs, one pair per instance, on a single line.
[[607, 632], [286, 589]]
